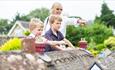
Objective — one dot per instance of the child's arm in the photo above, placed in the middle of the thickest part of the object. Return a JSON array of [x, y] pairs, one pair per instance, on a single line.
[[58, 47], [68, 43], [53, 42]]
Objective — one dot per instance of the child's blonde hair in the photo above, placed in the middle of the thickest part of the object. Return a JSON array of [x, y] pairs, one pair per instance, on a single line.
[[54, 17], [34, 22]]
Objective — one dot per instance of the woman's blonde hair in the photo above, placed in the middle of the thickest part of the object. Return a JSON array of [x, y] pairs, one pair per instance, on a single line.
[[54, 6]]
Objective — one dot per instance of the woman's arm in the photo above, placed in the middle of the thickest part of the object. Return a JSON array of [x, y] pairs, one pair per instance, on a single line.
[[75, 21]]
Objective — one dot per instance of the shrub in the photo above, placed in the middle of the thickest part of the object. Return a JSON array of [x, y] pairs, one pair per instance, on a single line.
[[97, 32], [110, 43], [27, 33], [12, 44]]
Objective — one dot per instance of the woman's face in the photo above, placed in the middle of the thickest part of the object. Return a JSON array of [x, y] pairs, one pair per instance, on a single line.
[[57, 10]]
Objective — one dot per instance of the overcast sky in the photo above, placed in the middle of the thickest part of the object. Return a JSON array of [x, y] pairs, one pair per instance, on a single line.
[[87, 9]]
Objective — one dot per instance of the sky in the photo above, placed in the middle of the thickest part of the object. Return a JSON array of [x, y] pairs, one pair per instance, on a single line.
[[87, 9]]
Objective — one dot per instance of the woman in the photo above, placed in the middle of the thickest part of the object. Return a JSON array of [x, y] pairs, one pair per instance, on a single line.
[[57, 10]]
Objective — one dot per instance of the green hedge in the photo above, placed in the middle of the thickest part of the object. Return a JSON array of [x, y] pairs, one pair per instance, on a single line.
[[97, 32]]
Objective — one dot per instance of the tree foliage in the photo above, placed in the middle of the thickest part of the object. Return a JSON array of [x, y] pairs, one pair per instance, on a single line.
[[107, 17], [41, 13], [4, 26]]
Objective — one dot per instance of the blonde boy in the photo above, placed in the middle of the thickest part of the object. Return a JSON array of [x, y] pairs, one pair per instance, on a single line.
[[55, 35]]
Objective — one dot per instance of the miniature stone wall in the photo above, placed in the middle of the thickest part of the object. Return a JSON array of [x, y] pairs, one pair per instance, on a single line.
[[109, 61], [61, 60], [71, 60], [76, 59]]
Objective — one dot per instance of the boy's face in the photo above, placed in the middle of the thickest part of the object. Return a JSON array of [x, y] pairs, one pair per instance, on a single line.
[[56, 25]]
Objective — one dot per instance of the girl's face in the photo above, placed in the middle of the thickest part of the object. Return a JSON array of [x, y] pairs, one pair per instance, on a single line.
[[38, 30]]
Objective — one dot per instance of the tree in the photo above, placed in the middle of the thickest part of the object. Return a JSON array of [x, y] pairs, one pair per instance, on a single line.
[[107, 17], [4, 26], [17, 17], [105, 10], [41, 13]]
